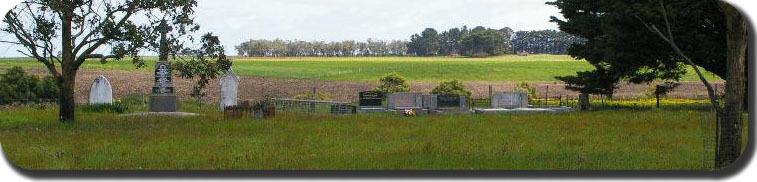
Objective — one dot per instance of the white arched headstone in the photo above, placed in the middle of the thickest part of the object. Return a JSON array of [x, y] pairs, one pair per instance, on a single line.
[[100, 92], [229, 89]]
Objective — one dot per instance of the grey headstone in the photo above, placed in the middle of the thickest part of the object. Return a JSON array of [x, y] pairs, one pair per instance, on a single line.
[[509, 100], [229, 89], [430, 101], [101, 91], [405, 100]]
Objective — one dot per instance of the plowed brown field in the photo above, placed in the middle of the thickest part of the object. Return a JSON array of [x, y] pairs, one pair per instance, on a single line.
[[138, 83]]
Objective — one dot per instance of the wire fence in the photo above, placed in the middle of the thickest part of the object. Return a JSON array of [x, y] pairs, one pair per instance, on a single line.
[[480, 98]]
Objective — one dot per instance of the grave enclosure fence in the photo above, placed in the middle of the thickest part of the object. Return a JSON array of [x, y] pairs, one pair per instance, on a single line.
[[300, 95]]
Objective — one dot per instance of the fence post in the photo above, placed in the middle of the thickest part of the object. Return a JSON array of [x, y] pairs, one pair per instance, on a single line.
[[491, 91], [314, 97], [546, 96], [262, 93]]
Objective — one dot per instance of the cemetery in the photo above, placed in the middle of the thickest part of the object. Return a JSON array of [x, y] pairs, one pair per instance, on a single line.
[[164, 94]]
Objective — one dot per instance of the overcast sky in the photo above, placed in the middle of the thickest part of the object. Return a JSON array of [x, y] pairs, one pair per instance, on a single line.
[[235, 21]]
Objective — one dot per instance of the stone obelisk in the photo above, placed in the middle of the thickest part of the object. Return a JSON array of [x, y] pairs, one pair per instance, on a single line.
[[163, 98]]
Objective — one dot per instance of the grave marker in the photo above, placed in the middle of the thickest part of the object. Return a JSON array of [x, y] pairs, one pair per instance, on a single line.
[[430, 101], [370, 99], [229, 89], [163, 98], [450, 101], [101, 91], [509, 100], [405, 100]]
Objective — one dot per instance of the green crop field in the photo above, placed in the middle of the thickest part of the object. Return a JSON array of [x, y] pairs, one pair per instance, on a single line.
[[508, 68], [609, 139]]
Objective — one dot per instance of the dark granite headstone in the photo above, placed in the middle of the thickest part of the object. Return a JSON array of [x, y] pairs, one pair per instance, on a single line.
[[370, 99], [343, 109], [448, 101]]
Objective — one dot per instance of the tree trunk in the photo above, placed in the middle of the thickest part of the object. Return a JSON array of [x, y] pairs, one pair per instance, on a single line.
[[731, 119], [66, 82], [66, 100], [657, 96]]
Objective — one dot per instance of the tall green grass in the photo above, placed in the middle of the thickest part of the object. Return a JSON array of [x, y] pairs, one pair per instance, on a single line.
[[623, 139]]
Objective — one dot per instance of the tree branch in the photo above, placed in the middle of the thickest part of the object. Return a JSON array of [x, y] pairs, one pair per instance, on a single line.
[[669, 39], [17, 29], [103, 40], [129, 11]]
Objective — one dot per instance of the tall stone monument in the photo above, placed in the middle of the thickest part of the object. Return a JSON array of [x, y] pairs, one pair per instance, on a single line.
[[163, 98]]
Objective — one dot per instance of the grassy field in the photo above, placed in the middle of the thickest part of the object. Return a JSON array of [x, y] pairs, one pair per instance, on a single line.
[[508, 68], [619, 139]]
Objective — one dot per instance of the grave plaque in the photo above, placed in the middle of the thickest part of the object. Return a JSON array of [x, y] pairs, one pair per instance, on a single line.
[[163, 82], [447, 101], [163, 98], [405, 100], [509, 100], [100, 92], [430, 102], [370, 99]]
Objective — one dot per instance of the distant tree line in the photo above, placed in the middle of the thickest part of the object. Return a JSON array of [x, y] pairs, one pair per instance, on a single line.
[[543, 42], [297, 48], [477, 42]]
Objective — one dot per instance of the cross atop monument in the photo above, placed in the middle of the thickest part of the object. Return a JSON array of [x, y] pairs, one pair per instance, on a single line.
[[163, 98], [163, 28]]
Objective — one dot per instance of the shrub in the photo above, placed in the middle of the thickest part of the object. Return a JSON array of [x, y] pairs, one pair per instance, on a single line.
[[454, 87], [309, 96], [16, 85], [524, 87], [115, 107], [48, 89], [392, 83]]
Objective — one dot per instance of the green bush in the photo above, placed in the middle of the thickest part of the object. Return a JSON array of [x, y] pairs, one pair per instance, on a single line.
[[309, 96], [393, 82], [16, 85], [524, 87], [454, 87], [115, 107]]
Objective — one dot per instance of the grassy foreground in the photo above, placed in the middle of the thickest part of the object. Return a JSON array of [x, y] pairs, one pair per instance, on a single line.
[[509, 68], [625, 139]]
